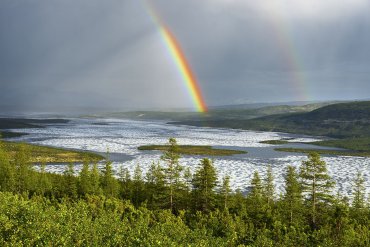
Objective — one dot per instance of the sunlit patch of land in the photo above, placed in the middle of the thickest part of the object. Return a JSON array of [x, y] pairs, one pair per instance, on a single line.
[[274, 142], [194, 150], [361, 144], [326, 152], [352, 147], [42, 154]]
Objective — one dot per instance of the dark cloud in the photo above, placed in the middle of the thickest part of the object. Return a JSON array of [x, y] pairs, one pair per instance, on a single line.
[[109, 54]]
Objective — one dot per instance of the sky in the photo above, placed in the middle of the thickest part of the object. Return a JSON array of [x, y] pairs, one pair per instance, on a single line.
[[68, 54]]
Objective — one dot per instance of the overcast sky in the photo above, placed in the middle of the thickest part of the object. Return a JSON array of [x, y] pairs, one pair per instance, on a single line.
[[109, 54]]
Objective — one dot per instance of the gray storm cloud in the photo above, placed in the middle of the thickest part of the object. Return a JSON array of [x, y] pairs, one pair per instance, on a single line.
[[109, 54]]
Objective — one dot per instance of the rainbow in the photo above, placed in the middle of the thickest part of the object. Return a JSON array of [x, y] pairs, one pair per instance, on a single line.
[[290, 54], [178, 56]]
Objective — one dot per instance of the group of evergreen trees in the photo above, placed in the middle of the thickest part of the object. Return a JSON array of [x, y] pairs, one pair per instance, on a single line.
[[171, 206]]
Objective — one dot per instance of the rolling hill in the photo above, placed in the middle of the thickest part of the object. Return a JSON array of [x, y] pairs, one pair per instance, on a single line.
[[240, 112], [343, 120]]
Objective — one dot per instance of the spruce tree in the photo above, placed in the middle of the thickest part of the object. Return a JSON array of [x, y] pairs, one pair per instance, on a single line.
[[256, 191], [95, 180], [126, 183], [7, 171], [359, 191], [293, 193], [109, 183], [70, 186], [256, 201], [155, 186], [23, 169], [188, 179], [43, 184], [269, 187], [172, 171], [84, 185], [204, 183], [225, 191], [138, 186], [316, 183]]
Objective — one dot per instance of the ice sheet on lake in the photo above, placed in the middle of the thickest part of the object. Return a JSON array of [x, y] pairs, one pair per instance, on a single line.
[[124, 136]]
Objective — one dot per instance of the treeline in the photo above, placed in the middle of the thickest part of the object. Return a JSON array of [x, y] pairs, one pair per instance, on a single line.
[[169, 206]]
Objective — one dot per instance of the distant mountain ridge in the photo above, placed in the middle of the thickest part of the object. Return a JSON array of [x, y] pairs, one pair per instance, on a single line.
[[218, 113], [272, 104], [341, 120]]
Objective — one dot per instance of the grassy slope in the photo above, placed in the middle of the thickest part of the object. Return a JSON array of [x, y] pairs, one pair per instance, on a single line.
[[41, 154], [194, 150]]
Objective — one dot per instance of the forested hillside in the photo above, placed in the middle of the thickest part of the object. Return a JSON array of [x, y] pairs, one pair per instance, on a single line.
[[341, 120], [169, 206]]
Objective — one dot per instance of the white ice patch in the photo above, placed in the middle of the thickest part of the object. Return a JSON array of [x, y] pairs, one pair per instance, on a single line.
[[125, 136]]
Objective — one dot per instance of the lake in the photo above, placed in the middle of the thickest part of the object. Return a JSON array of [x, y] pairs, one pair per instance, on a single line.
[[122, 138]]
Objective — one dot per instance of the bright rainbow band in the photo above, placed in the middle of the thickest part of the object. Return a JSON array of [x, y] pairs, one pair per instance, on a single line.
[[180, 60]]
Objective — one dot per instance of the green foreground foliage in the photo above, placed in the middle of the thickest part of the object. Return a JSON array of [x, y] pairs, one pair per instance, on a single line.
[[169, 206]]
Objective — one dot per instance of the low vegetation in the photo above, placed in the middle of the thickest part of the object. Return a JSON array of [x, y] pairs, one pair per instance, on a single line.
[[43, 154], [325, 152], [170, 206], [193, 150], [351, 146], [275, 142], [361, 144]]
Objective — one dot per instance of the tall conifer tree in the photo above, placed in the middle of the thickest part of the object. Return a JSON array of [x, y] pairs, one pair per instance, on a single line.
[[269, 187], [204, 183], [225, 191], [293, 193], [316, 183], [172, 171], [109, 183], [359, 191]]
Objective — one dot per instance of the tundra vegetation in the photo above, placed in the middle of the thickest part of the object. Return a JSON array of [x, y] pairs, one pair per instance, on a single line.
[[194, 150], [169, 206]]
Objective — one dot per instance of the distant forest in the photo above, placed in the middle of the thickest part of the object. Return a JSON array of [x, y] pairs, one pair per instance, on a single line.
[[169, 206]]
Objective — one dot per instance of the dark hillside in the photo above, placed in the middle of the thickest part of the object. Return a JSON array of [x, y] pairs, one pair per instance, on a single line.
[[340, 112], [341, 120], [21, 123]]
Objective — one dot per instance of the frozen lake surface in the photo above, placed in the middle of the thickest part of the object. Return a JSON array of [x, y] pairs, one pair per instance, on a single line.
[[123, 137]]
